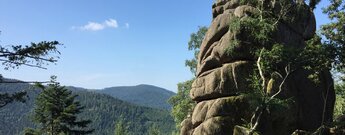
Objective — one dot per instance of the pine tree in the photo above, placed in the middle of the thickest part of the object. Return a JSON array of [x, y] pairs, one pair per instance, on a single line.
[[153, 130], [121, 128], [56, 112]]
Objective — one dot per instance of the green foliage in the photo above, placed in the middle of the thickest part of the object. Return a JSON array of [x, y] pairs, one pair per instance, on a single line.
[[315, 57], [277, 60], [56, 112], [255, 30], [121, 128], [153, 130], [194, 45], [334, 35], [30, 131], [339, 108], [181, 102], [334, 32], [249, 2], [34, 55], [103, 110], [6, 98], [144, 95]]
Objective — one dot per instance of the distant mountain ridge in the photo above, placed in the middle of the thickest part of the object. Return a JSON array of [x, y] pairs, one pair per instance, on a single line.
[[104, 110], [143, 94]]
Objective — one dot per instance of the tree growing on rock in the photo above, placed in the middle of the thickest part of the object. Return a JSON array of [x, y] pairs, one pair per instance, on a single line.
[[317, 57], [272, 47]]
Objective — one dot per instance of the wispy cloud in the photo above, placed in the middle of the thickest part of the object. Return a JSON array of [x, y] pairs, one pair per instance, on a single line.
[[96, 26], [111, 23], [127, 25], [92, 26]]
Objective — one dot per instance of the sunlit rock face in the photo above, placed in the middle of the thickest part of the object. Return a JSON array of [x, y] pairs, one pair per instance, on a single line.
[[223, 76]]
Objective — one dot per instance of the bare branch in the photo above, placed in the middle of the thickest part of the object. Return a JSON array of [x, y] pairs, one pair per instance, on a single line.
[[280, 75], [253, 117], [258, 63], [256, 122], [325, 103], [288, 73]]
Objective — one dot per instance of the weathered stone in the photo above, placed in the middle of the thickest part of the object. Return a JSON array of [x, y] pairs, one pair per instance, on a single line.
[[223, 7], [244, 11], [227, 80], [310, 27], [200, 112], [186, 127], [215, 126], [315, 101], [226, 106], [218, 28], [278, 119], [223, 52]]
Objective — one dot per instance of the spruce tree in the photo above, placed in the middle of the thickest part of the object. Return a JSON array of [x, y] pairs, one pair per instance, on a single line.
[[121, 127], [153, 130], [56, 112]]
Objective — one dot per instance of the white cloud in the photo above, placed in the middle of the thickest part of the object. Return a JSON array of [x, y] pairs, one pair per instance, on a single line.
[[95, 26], [127, 25], [111, 23]]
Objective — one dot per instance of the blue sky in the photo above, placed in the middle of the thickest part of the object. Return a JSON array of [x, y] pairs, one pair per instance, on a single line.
[[109, 42]]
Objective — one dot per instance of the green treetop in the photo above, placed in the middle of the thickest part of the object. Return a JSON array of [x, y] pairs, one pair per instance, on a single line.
[[56, 112], [121, 128]]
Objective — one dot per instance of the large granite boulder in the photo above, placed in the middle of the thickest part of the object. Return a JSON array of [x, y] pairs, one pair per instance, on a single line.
[[222, 86]]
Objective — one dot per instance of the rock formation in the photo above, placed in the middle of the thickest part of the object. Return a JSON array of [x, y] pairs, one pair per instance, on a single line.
[[222, 77]]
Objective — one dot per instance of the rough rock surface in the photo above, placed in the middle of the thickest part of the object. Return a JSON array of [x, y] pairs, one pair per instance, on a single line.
[[222, 77]]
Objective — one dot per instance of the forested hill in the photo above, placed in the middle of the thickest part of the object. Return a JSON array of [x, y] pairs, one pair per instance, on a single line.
[[103, 110], [144, 95]]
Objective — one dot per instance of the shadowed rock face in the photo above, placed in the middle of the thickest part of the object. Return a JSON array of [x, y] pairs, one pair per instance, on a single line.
[[222, 76]]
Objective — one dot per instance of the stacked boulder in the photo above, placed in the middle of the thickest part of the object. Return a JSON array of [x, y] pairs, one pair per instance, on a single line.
[[222, 77]]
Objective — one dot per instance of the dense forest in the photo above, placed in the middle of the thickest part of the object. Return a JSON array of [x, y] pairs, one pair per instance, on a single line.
[[104, 111], [145, 95]]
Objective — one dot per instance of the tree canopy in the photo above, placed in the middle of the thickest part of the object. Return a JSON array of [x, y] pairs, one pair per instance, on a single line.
[[56, 112], [194, 45]]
